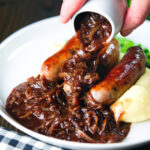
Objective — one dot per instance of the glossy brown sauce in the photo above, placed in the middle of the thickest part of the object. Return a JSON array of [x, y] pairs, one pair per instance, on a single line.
[[43, 107], [93, 30], [59, 109]]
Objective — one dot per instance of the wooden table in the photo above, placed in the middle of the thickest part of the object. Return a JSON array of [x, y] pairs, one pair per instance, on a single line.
[[15, 14]]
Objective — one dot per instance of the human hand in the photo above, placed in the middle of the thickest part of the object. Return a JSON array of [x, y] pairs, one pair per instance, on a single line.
[[134, 17]]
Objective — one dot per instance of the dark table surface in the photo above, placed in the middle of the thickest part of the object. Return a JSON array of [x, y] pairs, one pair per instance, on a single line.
[[15, 14]]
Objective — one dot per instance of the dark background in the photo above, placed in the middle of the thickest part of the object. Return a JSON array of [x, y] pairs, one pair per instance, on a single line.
[[15, 14]]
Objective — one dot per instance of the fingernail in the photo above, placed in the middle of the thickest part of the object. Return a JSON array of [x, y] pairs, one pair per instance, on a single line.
[[125, 32]]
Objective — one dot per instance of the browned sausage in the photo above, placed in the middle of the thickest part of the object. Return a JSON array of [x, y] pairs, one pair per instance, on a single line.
[[108, 56], [105, 60], [120, 78], [52, 66]]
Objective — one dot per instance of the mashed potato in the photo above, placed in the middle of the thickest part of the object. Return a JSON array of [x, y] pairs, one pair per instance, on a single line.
[[134, 104]]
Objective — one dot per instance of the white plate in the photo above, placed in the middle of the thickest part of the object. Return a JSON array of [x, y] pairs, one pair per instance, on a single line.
[[21, 56]]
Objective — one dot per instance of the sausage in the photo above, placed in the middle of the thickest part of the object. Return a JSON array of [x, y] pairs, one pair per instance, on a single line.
[[119, 79], [105, 58], [108, 57], [52, 66]]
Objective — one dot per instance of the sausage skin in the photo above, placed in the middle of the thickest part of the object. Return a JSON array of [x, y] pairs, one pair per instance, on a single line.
[[108, 56], [119, 79], [52, 66]]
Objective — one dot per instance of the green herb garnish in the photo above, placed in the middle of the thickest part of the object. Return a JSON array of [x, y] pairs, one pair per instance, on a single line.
[[126, 43]]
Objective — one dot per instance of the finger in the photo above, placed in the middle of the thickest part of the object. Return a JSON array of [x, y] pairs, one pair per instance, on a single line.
[[69, 7], [135, 15]]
